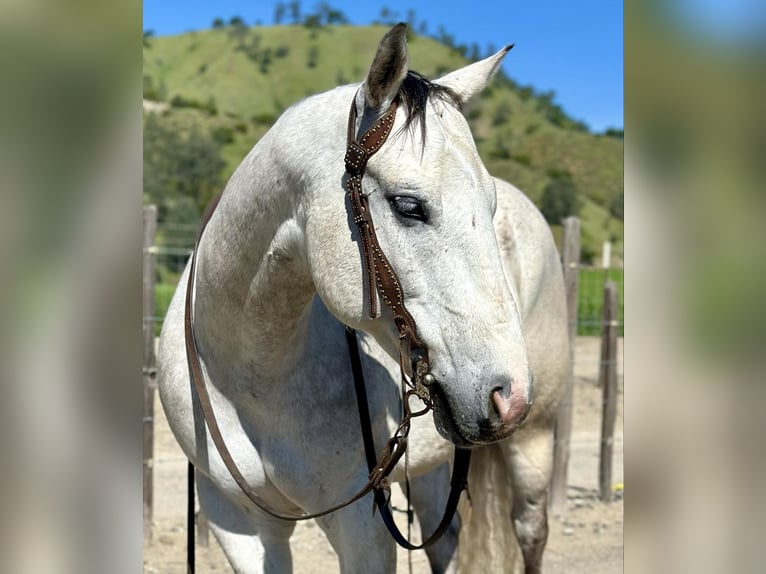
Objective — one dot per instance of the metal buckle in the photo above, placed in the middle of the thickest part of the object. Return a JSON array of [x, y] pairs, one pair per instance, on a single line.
[[421, 373]]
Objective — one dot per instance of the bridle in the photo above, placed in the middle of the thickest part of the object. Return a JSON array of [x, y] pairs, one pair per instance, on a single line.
[[413, 354], [379, 272]]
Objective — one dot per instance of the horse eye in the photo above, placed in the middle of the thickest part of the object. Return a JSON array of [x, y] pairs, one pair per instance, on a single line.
[[408, 207]]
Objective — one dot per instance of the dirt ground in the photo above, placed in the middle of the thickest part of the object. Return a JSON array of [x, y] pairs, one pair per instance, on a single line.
[[588, 539]]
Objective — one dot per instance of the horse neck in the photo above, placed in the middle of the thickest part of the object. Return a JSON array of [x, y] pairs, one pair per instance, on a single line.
[[254, 286]]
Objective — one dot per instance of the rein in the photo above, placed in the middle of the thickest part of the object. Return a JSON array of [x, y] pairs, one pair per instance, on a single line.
[[413, 355]]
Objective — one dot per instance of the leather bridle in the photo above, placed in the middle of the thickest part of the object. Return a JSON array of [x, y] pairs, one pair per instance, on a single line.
[[379, 272], [413, 360]]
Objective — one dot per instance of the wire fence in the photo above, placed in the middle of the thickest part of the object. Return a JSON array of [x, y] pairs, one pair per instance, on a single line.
[[590, 300], [178, 240]]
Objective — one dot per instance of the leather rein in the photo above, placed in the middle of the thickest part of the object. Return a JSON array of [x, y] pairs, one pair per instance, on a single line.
[[413, 354]]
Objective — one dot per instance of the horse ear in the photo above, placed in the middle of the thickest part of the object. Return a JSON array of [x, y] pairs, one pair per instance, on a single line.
[[472, 79], [389, 68]]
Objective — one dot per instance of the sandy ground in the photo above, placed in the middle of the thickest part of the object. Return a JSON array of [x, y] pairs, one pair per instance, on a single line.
[[587, 539]]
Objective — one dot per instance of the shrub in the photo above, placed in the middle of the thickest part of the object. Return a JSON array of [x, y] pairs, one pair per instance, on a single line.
[[559, 200], [179, 101], [502, 114], [264, 118], [617, 206], [313, 55], [474, 113], [223, 134], [523, 160], [151, 92]]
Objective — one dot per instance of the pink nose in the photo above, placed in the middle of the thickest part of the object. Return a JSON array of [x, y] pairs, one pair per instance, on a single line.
[[509, 409]]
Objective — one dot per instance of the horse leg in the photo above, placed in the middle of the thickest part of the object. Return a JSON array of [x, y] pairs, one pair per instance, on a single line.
[[253, 542], [529, 454], [428, 494], [360, 539]]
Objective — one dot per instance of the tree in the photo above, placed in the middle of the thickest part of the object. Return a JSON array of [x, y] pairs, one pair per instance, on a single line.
[[313, 55], [502, 114], [218, 24], [312, 22], [501, 150], [295, 11], [617, 206], [475, 54], [333, 16], [559, 199], [279, 13], [526, 92], [545, 101], [445, 38], [238, 29], [180, 170], [411, 19], [265, 61], [148, 35], [152, 92]]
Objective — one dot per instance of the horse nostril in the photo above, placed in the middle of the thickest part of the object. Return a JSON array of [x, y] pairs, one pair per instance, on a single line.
[[509, 405], [497, 396]]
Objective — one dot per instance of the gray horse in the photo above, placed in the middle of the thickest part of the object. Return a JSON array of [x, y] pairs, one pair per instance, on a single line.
[[279, 273]]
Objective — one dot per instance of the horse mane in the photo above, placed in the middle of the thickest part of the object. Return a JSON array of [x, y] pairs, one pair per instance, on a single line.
[[414, 94]]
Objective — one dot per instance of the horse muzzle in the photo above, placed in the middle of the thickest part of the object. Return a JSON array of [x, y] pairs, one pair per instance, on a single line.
[[490, 420]]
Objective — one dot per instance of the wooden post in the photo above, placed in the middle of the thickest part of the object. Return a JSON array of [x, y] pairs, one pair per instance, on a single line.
[[150, 364], [606, 255], [608, 382], [570, 252]]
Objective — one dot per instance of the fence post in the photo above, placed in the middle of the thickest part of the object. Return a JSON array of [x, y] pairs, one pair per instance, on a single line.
[[608, 383], [150, 364], [570, 252]]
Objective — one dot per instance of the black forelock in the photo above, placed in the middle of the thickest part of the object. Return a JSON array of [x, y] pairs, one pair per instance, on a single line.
[[414, 94]]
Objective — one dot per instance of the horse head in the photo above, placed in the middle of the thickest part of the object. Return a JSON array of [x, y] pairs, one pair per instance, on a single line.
[[432, 202]]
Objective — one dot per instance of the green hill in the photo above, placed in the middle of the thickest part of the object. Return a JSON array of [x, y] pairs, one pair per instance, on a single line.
[[234, 82]]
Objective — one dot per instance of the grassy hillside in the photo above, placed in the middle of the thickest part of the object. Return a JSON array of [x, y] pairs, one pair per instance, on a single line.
[[250, 75]]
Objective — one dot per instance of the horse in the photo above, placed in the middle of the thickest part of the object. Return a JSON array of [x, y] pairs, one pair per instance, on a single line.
[[279, 277]]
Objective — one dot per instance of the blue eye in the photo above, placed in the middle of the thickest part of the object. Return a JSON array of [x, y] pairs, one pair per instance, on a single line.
[[408, 207]]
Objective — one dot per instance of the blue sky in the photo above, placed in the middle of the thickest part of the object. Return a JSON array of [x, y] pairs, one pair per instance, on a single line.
[[572, 48]]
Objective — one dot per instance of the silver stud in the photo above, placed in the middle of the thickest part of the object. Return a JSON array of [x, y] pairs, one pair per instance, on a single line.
[[428, 379]]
